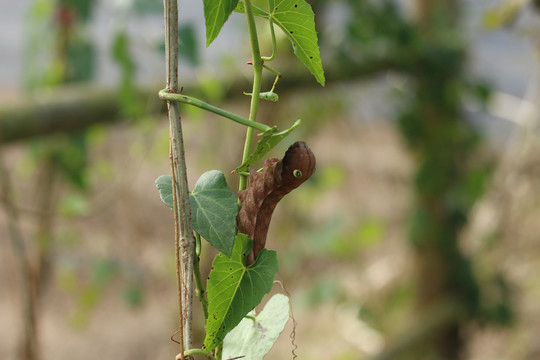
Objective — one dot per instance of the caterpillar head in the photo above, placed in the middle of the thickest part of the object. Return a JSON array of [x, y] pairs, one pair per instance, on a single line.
[[297, 165]]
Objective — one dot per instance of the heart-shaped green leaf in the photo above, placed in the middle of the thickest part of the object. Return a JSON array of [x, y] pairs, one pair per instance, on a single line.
[[213, 208], [234, 289], [254, 337], [216, 13]]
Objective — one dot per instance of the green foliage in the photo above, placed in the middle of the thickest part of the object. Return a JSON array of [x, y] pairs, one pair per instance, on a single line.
[[256, 334], [375, 33], [89, 293], [213, 208], [216, 13], [323, 289], [72, 159], [504, 14], [297, 20], [74, 205], [133, 295], [269, 139], [332, 239], [81, 62], [234, 289], [147, 6], [82, 8], [187, 47], [187, 44], [164, 185], [88, 290], [120, 49], [67, 154]]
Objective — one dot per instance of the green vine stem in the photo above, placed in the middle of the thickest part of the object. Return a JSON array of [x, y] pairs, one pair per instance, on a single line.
[[169, 96], [257, 76], [199, 289]]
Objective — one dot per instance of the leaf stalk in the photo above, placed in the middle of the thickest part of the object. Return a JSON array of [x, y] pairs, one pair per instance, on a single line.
[[171, 96]]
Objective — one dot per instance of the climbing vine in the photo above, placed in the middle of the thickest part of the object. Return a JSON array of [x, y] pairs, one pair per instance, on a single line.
[[241, 273]]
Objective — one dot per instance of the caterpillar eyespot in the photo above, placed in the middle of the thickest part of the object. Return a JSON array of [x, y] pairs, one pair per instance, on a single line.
[[297, 173]]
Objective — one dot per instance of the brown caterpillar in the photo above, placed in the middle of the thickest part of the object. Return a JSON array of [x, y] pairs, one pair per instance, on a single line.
[[267, 188]]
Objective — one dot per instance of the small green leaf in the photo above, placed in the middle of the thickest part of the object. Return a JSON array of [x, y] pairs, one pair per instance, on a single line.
[[213, 210], [216, 13], [234, 289], [253, 339], [269, 139], [164, 185]]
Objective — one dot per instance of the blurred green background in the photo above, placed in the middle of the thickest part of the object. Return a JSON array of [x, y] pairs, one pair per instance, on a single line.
[[416, 238]]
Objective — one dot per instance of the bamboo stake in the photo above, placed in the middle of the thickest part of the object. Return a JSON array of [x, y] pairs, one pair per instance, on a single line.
[[184, 240]]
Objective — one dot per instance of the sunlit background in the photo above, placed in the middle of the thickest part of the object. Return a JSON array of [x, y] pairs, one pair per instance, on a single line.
[[416, 238]]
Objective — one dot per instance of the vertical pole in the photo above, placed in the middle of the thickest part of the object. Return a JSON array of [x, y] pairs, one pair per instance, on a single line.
[[184, 240]]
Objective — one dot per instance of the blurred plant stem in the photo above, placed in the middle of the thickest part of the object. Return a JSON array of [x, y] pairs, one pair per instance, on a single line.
[[62, 156], [29, 340], [184, 240], [444, 145]]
